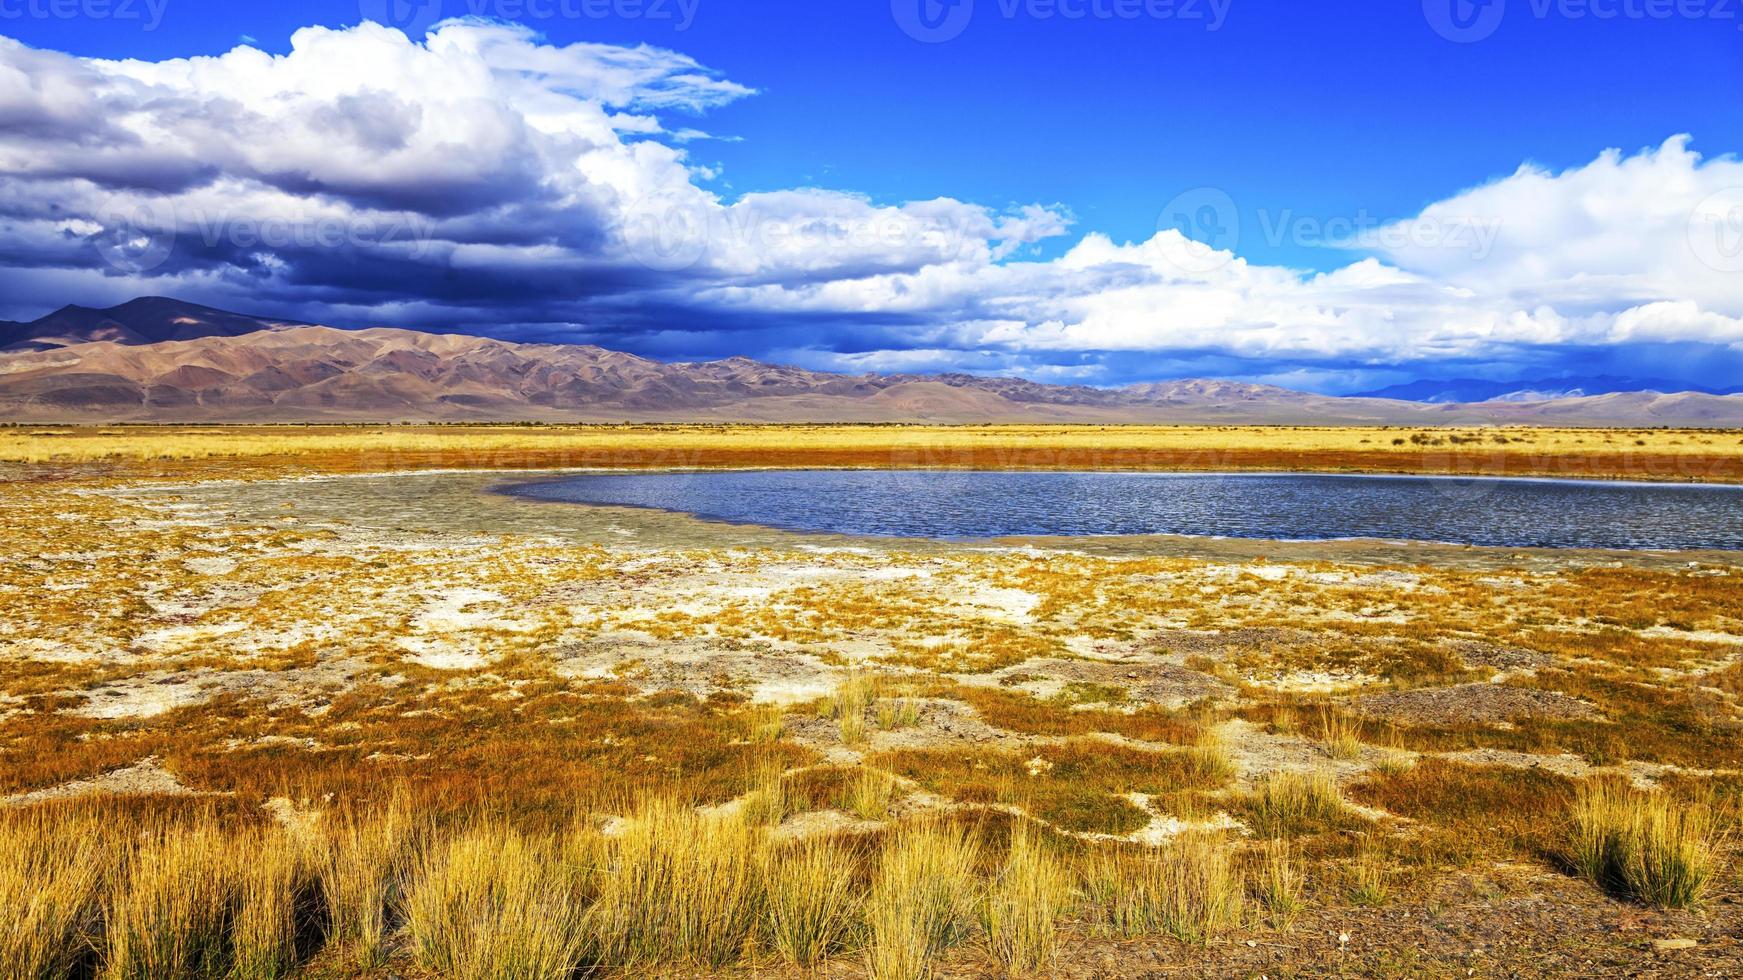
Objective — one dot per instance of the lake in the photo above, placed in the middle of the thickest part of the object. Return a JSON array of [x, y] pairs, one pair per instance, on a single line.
[[1293, 506]]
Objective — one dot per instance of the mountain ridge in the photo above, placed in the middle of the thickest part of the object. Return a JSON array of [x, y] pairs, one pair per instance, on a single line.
[[144, 320], [280, 371]]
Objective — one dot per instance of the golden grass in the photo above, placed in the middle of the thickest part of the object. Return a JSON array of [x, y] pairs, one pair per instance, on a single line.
[[274, 881], [921, 901], [1646, 846], [1339, 734], [814, 896], [849, 704], [767, 724], [1487, 809], [766, 804], [1188, 888], [1078, 786], [1278, 883], [928, 443], [673, 889], [50, 889], [366, 861], [677, 886], [169, 915], [529, 745], [1021, 907], [1369, 874], [1287, 804], [895, 714], [867, 794], [494, 903]]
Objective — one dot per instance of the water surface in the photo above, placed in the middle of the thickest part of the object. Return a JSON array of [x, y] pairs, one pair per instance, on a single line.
[[1290, 506]]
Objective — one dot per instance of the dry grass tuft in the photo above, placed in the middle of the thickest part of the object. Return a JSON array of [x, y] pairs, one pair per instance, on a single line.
[[896, 714], [814, 895], [677, 886], [849, 706], [1287, 804], [493, 903], [1643, 845], [1340, 735], [273, 884], [767, 804], [1020, 908], [1278, 881], [170, 915], [1187, 889], [1369, 874], [868, 793], [767, 723], [363, 875], [921, 901], [49, 887]]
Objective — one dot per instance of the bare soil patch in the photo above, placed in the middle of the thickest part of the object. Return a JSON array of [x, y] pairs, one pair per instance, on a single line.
[[1465, 704]]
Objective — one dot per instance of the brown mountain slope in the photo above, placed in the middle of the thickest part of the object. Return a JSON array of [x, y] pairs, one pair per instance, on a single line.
[[287, 373], [147, 320]]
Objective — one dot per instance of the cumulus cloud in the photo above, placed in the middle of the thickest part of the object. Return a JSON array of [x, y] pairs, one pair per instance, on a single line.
[[483, 179]]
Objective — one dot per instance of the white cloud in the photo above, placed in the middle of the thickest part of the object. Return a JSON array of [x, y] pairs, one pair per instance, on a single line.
[[369, 176]]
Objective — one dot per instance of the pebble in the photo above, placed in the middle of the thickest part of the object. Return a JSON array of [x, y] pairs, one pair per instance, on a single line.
[[1665, 945]]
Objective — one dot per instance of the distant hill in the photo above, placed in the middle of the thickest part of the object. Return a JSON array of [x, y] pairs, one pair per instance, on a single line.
[[156, 360], [147, 320]]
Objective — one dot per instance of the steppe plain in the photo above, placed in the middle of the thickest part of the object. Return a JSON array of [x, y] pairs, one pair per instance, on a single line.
[[395, 724]]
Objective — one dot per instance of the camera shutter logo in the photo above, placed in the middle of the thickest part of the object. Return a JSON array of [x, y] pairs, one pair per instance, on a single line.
[[932, 21], [137, 236], [414, 18], [1464, 21]]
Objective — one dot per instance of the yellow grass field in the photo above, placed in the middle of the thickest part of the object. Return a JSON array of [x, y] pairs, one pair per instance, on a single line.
[[400, 725], [1646, 454]]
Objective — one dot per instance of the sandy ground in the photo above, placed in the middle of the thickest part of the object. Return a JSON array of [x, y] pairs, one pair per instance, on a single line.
[[137, 611]]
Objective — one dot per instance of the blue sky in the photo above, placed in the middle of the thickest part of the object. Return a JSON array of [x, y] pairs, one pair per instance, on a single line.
[[1305, 126]]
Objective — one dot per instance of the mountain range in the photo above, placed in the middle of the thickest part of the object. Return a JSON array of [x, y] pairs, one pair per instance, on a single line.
[[1533, 389], [160, 360]]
